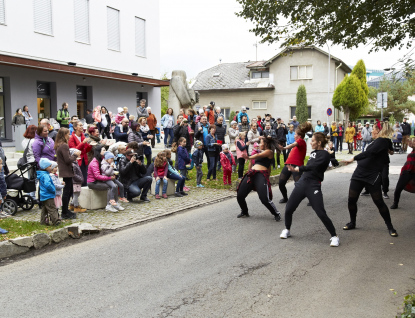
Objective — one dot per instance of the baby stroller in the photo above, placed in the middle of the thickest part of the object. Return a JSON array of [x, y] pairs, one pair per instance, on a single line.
[[397, 142], [17, 184]]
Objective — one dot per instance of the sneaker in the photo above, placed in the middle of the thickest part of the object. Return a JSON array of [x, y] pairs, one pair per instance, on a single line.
[[277, 217], [145, 199], [71, 207], [183, 193], [164, 196], [334, 241], [279, 166], [177, 194], [385, 196], [283, 200], [243, 215], [119, 207], [186, 189], [157, 197], [200, 186], [69, 215], [3, 231], [110, 208], [365, 194], [79, 209], [4, 215], [394, 206], [285, 234]]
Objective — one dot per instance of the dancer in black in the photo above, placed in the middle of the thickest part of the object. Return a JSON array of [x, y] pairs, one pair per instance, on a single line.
[[407, 178], [258, 179], [368, 174], [309, 186]]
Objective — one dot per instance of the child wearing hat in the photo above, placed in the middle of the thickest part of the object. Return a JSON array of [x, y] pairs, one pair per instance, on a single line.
[[58, 185], [198, 162], [120, 115], [107, 168], [227, 161], [47, 192]]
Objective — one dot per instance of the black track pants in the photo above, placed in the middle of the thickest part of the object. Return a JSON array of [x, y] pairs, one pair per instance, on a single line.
[[284, 176], [385, 179], [404, 179], [261, 186], [241, 166], [312, 190], [375, 190]]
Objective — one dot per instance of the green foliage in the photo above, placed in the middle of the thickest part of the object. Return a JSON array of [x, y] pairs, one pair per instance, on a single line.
[[19, 228], [408, 307], [232, 115], [301, 110], [360, 71], [382, 24], [392, 119], [164, 96]]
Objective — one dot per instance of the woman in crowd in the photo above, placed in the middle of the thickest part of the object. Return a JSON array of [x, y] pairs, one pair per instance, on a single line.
[[340, 131], [350, 133], [18, 118], [28, 117], [65, 159], [290, 138], [135, 135], [27, 142], [253, 136], [233, 134], [96, 180], [407, 178], [43, 146], [168, 122], [105, 125], [211, 143], [147, 136], [94, 140], [368, 175], [309, 186], [295, 159], [175, 175], [152, 125], [258, 179], [241, 150], [319, 127], [334, 134], [78, 141]]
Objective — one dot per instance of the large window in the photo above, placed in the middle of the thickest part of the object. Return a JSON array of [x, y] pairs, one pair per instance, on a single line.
[[140, 37], [2, 13], [113, 29], [301, 72], [264, 74], [81, 13], [43, 16], [293, 108], [226, 112], [259, 104]]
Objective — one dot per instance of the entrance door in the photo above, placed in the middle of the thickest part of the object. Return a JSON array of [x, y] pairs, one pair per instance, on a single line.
[[81, 100], [43, 108], [81, 108]]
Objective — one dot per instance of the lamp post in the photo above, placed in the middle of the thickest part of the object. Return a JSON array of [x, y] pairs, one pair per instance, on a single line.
[[328, 84]]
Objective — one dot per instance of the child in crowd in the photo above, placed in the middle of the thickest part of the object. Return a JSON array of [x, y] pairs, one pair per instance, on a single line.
[[233, 134], [198, 162], [3, 192], [160, 172], [359, 139], [120, 115], [47, 192], [158, 133], [182, 156], [77, 181], [330, 149], [107, 168], [126, 114], [131, 118], [255, 150], [201, 113], [58, 186], [175, 175], [227, 161]]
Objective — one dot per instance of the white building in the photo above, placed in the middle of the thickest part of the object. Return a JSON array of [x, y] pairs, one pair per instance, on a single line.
[[83, 52]]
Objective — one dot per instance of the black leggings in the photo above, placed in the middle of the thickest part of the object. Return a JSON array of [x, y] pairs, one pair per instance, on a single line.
[[148, 159], [312, 190], [284, 176], [241, 166], [375, 190], [66, 195], [260, 183], [404, 179], [385, 179]]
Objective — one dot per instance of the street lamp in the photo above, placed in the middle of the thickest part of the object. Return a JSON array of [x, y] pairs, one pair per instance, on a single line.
[[328, 84]]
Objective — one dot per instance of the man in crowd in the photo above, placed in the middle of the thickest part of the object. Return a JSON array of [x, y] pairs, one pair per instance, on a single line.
[[152, 125], [244, 125], [202, 130], [133, 176], [295, 123], [88, 118], [52, 132], [182, 130], [267, 119], [281, 131], [142, 110], [243, 114], [366, 135], [62, 116], [406, 132], [220, 136], [121, 131], [210, 114]]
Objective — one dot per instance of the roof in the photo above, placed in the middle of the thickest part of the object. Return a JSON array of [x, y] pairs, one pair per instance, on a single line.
[[231, 76], [397, 76], [344, 66]]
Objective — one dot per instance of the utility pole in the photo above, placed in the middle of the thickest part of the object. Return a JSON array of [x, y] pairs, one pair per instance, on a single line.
[[328, 86], [256, 51]]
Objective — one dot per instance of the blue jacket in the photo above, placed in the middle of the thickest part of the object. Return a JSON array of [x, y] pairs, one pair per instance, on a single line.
[[210, 140], [165, 121], [46, 186], [290, 138], [240, 115], [70, 129], [198, 157], [120, 135], [182, 158], [319, 128]]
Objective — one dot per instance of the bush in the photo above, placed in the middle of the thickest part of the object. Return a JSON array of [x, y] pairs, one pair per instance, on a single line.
[[408, 307], [231, 116]]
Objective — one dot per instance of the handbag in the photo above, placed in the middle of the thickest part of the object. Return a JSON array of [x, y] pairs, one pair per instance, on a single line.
[[23, 160]]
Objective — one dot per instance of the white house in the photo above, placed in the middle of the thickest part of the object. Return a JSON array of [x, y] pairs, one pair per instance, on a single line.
[[83, 52]]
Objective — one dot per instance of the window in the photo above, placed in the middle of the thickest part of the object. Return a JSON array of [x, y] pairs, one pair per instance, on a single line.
[[264, 74], [226, 112], [301, 72], [293, 108], [113, 29], [43, 16], [259, 105], [81, 12], [2, 13], [140, 37]]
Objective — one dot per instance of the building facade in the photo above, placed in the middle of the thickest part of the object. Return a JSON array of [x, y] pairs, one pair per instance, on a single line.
[[82, 52], [271, 86]]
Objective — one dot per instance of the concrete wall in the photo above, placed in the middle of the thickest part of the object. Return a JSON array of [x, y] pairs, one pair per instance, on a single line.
[[22, 90], [18, 36]]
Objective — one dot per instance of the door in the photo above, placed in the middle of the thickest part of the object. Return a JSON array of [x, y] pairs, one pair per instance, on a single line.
[[43, 108]]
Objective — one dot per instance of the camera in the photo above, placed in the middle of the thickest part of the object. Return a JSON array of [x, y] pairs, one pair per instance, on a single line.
[[141, 158]]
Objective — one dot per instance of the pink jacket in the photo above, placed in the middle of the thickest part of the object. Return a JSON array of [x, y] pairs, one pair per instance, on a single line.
[[119, 118], [225, 162], [97, 114], [94, 173]]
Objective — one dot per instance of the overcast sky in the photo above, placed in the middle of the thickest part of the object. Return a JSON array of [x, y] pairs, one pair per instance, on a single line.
[[196, 34]]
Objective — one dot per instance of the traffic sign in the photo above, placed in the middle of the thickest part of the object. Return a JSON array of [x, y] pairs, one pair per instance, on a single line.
[[329, 111], [382, 100]]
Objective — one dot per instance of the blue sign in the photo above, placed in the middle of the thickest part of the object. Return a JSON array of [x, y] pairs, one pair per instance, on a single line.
[[329, 111]]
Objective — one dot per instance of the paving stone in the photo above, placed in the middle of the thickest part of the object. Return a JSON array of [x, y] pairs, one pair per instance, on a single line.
[[8, 249], [26, 241], [40, 240], [59, 235]]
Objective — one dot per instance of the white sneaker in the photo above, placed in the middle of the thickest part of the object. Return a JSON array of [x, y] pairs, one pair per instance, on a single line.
[[110, 208], [119, 207], [335, 241], [285, 234], [279, 166]]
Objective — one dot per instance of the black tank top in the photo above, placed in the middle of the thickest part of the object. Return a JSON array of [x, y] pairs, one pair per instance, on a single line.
[[265, 162]]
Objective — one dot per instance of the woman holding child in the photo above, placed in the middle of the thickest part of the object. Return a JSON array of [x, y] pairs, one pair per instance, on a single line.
[[78, 141]]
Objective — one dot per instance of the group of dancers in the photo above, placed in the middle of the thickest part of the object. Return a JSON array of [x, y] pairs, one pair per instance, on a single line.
[[308, 178]]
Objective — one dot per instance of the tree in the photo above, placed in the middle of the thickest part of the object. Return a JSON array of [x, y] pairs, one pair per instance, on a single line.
[[350, 98], [232, 115], [382, 24], [164, 96], [301, 110]]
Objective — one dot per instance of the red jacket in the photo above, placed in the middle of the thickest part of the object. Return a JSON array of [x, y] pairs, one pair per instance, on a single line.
[[210, 116], [224, 161], [80, 145]]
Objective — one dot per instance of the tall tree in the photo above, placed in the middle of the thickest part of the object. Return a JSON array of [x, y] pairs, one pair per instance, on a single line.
[[164, 96], [301, 110], [350, 98], [383, 24]]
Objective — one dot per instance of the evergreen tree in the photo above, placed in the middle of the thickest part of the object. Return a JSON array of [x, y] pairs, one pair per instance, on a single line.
[[164, 96], [302, 108]]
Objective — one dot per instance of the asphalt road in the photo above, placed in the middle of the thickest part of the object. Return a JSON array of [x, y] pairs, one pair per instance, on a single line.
[[207, 263]]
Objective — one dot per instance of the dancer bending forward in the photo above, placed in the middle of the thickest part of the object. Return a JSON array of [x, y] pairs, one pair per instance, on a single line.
[[309, 186], [257, 179]]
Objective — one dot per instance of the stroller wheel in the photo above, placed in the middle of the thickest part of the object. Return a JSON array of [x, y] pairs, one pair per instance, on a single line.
[[27, 202], [10, 206]]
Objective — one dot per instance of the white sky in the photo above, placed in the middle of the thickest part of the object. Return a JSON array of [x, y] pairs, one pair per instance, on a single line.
[[195, 34]]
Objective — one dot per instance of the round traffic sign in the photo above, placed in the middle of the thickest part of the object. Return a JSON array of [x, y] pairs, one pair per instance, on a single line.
[[329, 111]]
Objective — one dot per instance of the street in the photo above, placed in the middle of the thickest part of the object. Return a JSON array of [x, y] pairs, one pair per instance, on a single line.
[[207, 263]]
